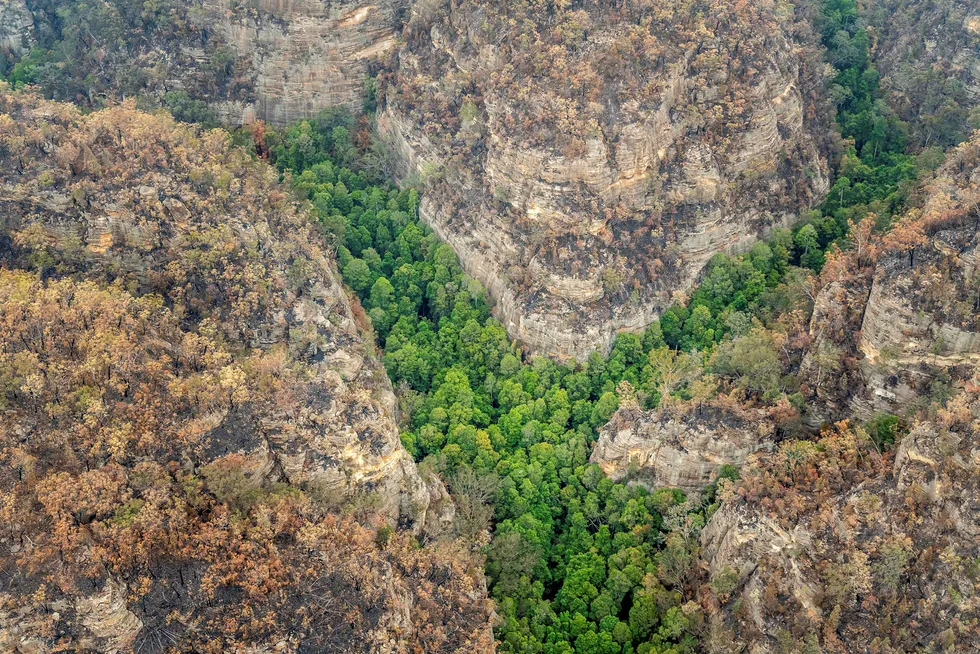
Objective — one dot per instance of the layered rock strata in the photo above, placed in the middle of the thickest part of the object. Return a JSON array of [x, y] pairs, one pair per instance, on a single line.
[[890, 336], [303, 56], [584, 201], [680, 447], [268, 60]]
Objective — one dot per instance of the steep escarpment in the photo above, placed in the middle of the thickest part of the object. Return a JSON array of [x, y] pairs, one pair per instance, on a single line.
[[832, 546], [851, 543], [928, 53], [684, 447], [305, 56], [920, 324], [189, 401], [127, 198], [263, 60], [652, 137], [895, 324]]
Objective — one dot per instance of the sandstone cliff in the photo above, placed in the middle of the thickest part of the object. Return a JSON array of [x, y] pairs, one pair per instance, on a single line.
[[585, 200], [888, 337], [684, 447], [302, 56], [269, 60], [16, 29], [831, 547], [188, 398]]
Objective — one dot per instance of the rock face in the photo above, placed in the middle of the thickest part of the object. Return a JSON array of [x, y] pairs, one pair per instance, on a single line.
[[920, 322], [305, 55], [835, 548], [885, 336], [102, 620], [269, 60], [922, 319], [585, 200], [16, 28], [681, 447], [830, 371]]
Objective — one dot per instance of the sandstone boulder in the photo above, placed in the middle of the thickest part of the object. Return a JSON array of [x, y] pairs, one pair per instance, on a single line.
[[681, 447]]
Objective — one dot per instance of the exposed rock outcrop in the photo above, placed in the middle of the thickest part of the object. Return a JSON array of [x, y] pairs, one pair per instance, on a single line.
[[585, 200], [683, 447], [303, 56], [922, 319], [831, 547], [269, 60], [102, 622], [920, 323], [888, 337], [16, 28], [830, 373]]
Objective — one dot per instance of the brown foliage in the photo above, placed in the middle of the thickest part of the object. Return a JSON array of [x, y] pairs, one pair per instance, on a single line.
[[155, 366]]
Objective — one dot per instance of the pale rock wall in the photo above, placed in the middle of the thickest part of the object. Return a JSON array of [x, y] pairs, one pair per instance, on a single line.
[[922, 318], [829, 373], [303, 55], [909, 333], [885, 332], [282, 60], [16, 27], [736, 540], [683, 448], [101, 622], [577, 245]]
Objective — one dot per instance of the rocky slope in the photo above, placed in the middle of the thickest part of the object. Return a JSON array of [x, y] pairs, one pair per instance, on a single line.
[[683, 447], [265, 60], [922, 323], [832, 547], [928, 53], [181, 363], [584, 201], [842, 545], [889, 336], [127, 198]]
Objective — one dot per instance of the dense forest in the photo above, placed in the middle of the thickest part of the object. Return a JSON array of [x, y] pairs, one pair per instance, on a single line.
[[574, 561]]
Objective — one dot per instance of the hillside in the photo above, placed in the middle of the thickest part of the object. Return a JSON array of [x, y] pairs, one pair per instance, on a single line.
[[896, 324], [654, 136], [191, 411], [928, 52], [866, 539], [832, 546]]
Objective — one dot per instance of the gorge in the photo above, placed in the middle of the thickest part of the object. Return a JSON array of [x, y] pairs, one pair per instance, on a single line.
[[458, 326]]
